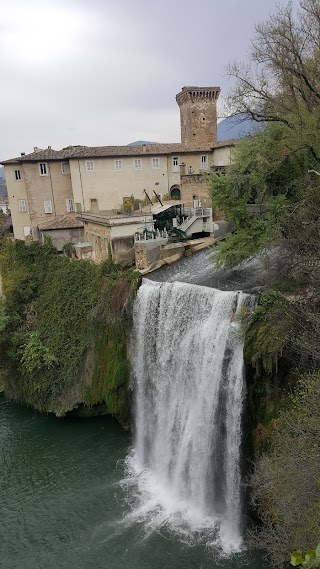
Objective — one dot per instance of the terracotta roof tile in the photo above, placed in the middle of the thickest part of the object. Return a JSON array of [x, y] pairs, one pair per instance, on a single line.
[[60, 222], [104, 151]]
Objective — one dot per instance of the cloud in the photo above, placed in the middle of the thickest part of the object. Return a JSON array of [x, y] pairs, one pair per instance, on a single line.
[[107, 72]]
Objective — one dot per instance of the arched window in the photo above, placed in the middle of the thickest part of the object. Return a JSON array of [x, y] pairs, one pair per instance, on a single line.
[[175, 193]]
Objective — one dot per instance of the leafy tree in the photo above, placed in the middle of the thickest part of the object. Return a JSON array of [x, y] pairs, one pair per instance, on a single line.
[[286, 483], [275, 167], [281, 82], [310, 561]]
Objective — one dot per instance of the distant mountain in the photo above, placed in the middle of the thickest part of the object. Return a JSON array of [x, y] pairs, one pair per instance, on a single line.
[[141, 142], [233, 128], [2, 172]]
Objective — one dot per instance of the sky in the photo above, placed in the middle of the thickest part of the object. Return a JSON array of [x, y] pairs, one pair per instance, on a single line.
[[106, 72]]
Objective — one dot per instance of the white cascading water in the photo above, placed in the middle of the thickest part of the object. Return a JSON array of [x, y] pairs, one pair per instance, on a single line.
[[187, 356]]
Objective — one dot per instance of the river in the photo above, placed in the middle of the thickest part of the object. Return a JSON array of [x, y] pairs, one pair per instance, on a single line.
[[69, 500]]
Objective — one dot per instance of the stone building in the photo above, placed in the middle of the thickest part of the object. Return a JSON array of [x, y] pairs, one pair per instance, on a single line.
[[46, 187]]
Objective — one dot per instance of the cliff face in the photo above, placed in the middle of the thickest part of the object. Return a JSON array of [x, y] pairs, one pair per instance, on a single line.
[[281, 424], [65, 326]]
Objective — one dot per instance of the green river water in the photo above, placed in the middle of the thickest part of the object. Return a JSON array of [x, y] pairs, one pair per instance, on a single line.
[[63, 505]]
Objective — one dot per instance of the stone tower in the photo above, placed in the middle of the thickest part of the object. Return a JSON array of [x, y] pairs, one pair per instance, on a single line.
[[198, 116]]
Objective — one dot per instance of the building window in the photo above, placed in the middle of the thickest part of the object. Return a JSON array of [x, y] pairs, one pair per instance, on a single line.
[[204, 162], [43, 169], [70, 205], [175, 164], [155, 163], [65, 167], [17, 175], [47, 206], [118, 165], [137, 163], [94, 205], [90, 166], [22, 205]]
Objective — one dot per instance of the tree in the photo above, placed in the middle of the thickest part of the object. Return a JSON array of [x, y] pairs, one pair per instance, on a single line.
[[282, 83], [275, 167], [285, 483]]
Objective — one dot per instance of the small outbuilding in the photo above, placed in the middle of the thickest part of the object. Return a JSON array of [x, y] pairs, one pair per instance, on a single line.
[[62, 229]]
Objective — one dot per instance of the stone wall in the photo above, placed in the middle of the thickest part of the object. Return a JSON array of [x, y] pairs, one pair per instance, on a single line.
[[195, 185], [198, 116]]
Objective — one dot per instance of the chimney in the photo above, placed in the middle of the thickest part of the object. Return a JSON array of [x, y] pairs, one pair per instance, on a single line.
[[22, 153]]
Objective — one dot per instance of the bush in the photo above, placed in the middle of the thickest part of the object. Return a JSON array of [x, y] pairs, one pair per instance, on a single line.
[[285, 483], [58, 314]]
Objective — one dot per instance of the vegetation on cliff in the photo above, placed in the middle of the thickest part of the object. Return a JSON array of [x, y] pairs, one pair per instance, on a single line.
[[276, 171], [64, 327]]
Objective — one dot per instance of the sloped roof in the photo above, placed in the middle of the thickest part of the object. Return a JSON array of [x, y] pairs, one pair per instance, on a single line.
[[61, 222], [104, 151], [156, 209]]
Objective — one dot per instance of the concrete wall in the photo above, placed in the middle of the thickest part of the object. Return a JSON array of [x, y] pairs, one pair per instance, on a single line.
[[122, 249], [110, 187], [17, 191], [223, 156], [61, 237], [121, 229]]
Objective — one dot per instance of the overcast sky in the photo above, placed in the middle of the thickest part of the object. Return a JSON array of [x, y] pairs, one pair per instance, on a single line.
[[106, 72]]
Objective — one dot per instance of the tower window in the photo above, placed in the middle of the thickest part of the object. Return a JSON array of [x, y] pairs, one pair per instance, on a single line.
[[17, 175], [155, 163]]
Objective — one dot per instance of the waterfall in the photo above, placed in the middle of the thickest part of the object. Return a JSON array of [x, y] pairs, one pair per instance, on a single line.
[[187, 356]]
